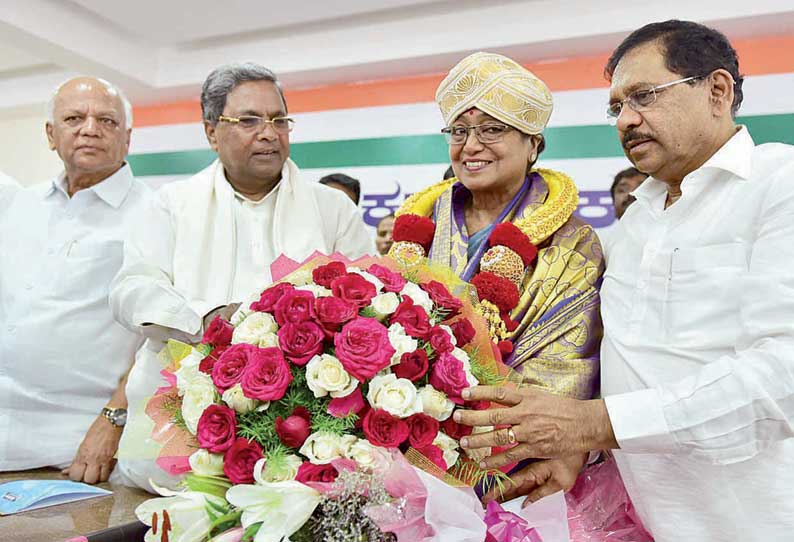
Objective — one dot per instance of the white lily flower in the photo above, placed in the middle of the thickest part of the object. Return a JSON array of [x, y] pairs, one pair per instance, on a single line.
[[282, 507], [187, 514]]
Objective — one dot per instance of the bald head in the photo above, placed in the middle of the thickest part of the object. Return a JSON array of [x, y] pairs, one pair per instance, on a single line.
[[83, 84]]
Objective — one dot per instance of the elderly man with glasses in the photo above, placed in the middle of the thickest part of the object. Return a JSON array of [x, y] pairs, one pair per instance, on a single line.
[[698, 306], [207, 243]]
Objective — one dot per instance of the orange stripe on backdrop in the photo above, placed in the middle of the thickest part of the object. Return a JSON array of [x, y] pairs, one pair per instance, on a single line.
[[757, 56]]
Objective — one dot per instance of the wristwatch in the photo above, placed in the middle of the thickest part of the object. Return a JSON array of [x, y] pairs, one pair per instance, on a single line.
[[116, 416]]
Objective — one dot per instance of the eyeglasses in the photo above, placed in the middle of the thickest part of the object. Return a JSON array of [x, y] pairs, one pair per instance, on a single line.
[[485, 133], [642, 99], [282, 125]]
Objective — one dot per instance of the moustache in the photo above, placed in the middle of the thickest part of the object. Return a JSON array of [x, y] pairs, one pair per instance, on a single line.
[[633, 136]]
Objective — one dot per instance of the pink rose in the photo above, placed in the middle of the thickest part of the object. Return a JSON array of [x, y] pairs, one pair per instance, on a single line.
[[267, 375], [217, 428], [309, 472], [412, 317], [383, 429], [435, 455], [440, 340], [270, 296], [332, 312], [294, 306], [228, 370], [449, 376], [354, 289], [422, 430], [219, 333], [239, 461], [324, 275], [413, 365], [464, 332], [392, 282], [341, 407], [301, 342], [294, 431], [443, 298], [363, 348]]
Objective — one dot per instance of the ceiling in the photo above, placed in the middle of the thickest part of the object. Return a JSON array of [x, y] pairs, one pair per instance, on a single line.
[[159, 51]]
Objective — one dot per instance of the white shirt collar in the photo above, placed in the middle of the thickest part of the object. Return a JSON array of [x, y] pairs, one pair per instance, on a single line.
[[735, 157], [112, 190]]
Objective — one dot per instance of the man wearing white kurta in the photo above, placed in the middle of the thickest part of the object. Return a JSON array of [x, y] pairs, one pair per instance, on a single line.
[[697, 362], [62, 355], [207, 243]]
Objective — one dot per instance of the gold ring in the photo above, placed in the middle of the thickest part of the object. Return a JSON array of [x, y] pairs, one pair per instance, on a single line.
[[511, 436]]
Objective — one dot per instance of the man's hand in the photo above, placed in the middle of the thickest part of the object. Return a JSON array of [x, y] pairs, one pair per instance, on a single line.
[[544, 425], [94, 460], [542, 479]]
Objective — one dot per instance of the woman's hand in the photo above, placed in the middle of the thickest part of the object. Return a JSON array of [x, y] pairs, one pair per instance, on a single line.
[[541, 479]]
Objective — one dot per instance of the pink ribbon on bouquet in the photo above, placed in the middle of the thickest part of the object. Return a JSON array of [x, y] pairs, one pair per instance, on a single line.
[[504, 526]]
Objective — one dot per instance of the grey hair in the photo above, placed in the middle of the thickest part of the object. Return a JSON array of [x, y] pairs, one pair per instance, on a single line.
[[113, 89], [222, 80]]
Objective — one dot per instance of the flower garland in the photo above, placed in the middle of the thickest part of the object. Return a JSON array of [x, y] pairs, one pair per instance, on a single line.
[[512, 247]]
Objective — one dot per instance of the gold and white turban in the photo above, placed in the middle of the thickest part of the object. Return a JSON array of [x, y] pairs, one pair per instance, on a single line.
[[498, 86]]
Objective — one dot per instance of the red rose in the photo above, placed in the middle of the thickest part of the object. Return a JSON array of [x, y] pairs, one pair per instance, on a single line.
[[209, 360], [228, 370], [509, 235], [412, 317], [267, 375], [239, 461], [270, 296], [309, 472], [449, 376], [352, 403], [332, 312], [498, 290], [392, 282], [464, 332], [217, 428], [294, 431], [301, 342], [440, 340], [435, 455], [443, 298], [219, 333], [294, 306], [414, 228], [413, 365], [422, 430], [325, 274], [383, 429], [454, 429], [354, 289], [363, 348]]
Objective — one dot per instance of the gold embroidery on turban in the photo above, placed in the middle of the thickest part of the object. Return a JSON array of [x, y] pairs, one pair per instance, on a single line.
[[498, 86]]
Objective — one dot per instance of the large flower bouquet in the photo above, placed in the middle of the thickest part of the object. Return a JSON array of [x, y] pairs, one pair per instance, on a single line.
[[296, 418]]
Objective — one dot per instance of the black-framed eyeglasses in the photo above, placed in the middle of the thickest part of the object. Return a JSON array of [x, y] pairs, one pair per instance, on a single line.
[[282, 125], [490, 132], [643, 98]]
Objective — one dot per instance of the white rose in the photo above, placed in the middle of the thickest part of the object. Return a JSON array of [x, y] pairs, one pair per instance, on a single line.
[[346, 443], [385, 304], [316, 289], [478, 454], [397, 396], [418, 296], [321, 448], [366, 455], [242, 312], [401, 342], [368, 277], [282, 470], [325, 374], [204, 463], [254, 327], [198, 396], [461, 354], [268, 340], [449, 447], [450, 333], [300, 277], [236, 399], [189, 371], [435, 403]]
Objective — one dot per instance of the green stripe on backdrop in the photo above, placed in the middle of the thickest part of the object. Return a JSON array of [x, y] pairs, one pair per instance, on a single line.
[[565, 142]]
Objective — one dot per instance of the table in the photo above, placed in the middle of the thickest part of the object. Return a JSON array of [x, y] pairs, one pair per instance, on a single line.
[[58, 523]]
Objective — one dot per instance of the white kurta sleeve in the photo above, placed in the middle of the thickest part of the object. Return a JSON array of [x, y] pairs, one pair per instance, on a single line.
[[142, 295], [741, 404], [353, 239]]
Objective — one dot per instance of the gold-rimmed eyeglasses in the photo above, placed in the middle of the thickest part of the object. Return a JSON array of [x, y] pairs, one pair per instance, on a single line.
[[490, 132], [643, 98], [282, 125]]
